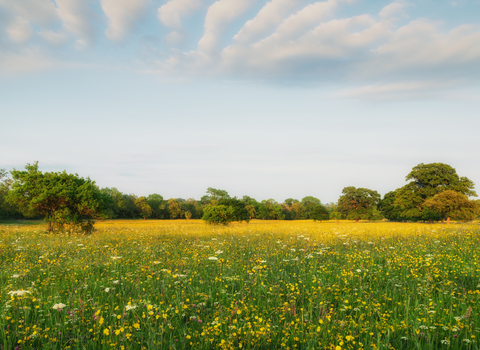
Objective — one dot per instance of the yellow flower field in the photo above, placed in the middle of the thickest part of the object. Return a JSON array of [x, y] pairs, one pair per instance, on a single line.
[[263, 285]]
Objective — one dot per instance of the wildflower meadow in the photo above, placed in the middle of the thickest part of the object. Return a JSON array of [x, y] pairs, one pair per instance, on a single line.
[[180, 284]]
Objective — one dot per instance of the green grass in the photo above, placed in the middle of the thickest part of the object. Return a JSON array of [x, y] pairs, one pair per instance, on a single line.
[[263, 285]]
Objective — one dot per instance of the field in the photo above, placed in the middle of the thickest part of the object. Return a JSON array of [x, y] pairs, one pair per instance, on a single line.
[[263, 285]]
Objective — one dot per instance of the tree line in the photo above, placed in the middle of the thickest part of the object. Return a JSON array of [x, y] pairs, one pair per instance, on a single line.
[[434, 192]]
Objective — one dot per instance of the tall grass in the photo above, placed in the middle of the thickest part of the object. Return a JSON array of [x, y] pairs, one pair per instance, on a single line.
[[263, 285]]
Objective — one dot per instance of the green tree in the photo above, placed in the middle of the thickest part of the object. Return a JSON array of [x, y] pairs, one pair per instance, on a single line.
[[427, 180], [174, 208], [214, 195], [145, 209], [309, 204], [270, 210], [218, 214], [156, 202], [358, 203], [453, 204], [388, 208], [61, 199], [240, 212], [319, 213]]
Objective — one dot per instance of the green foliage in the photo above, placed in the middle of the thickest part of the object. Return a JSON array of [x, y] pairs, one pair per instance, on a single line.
[[61, 199], [309, 204], [145, 208], [218, 214], [453, 204], [358, 203], [335, 215], [319, 213], [388, 208], [214, 195], [240, 213], [174, 208], [270, 210], [426, 181]]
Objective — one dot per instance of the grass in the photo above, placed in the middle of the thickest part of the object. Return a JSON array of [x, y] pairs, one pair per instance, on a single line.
[[264, 285]]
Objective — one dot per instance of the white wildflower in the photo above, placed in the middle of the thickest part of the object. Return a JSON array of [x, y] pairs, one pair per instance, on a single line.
[[212, 258], [116, 282], [219, 252], [116, 257], [130, 307], [107, 290], [58, 306], [15, 276], [18, 292]]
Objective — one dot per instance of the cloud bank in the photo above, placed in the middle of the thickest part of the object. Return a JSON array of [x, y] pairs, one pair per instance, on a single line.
[[277, 40]]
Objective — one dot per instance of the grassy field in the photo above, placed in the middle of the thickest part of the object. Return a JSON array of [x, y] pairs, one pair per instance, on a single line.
[[264, 285]]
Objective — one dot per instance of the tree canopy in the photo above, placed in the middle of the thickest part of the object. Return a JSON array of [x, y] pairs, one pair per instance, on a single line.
[[426, 181], [358, 203], [61, 199]]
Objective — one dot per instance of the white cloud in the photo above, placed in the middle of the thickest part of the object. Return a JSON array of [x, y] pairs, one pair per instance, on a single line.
[[270, 16], [171, 13], [122, 16], [20, 30], [393, 10], [40, 12], [218, 16], [77, 18], [307, 18], [56, 39]]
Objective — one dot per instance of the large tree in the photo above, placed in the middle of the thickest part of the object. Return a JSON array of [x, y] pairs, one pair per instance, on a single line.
[[61, 199], [426, 181], [358, 203], [453, 204]]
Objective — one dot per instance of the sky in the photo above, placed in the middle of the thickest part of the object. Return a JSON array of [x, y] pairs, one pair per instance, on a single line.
[[272, 99]]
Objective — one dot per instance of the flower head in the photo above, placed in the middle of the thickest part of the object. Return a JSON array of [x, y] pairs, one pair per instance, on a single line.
[[58, 306]]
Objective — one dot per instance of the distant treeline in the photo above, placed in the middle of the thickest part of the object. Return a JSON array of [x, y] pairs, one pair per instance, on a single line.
[[434, 192]]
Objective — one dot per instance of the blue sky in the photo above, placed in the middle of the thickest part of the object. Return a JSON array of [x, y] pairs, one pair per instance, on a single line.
[[272, 99]]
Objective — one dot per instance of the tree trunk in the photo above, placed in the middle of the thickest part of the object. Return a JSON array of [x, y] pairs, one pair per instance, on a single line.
[[49, 227], [357, 220], [448, 220]]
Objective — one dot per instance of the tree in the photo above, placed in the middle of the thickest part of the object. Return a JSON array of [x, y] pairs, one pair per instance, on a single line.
[[214, 195], [218, 214], [156, 202], [319, 213], [309, 203], [453, 204], [388, 208], [240, 213], [270, 210], [61, 199], [427, 180], [358, 203], [145, 209], [174, 208]]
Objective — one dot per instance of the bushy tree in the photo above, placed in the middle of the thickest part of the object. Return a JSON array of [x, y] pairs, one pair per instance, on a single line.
[[358, 203], [218, 214], [270, 210], [144, 207], [309, 204], [319, 213], [61, 199], [452, 204], [426, 181], [388, 208], [240, 212]]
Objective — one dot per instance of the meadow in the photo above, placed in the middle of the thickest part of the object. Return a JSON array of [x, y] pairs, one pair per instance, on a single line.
[[263, 285]]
